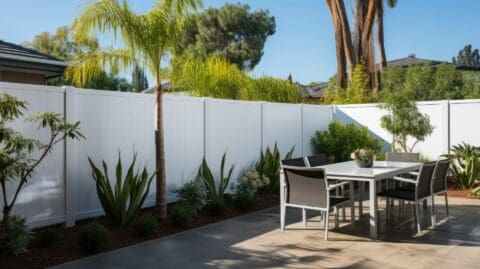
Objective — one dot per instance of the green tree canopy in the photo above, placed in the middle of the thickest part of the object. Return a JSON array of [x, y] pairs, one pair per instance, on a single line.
[[404, 121], [62, 46], [231, 32], [467, 56]]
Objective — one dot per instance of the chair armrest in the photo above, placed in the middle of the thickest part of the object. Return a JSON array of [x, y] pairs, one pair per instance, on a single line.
[[413, 173], [334, 186], [407, 180]]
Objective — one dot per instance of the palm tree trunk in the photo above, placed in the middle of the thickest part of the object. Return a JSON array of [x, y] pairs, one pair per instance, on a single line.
[[380, 36], [347, 36], [339, 44], [161, 194]]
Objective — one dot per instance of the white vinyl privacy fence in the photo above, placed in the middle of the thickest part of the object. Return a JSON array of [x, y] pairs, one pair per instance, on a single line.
[[62, 189]]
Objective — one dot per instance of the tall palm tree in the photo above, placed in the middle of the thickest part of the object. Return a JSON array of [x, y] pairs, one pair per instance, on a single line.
[[380, 34], [147, 39]]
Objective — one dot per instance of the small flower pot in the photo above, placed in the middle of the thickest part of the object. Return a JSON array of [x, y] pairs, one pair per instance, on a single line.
[[365, 163]]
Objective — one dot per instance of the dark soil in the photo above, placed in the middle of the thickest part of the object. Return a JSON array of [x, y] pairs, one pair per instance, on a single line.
[[66, 249], [455, 191]]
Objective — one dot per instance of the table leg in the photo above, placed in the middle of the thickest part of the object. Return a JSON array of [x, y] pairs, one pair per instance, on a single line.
[[373, 209], [361, 195]]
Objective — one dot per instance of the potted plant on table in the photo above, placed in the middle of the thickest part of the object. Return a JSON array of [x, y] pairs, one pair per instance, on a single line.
[[364, 157]]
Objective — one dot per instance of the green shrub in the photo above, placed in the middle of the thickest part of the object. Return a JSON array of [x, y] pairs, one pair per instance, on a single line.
[[212, 77], [14, 235], [217, 207], [358, 90], [340, 140], [272, 90], [122, 202], [92, 238], [146, 225], [191, 195], [269, 166], [244, 199], [215, 193], [465, 164], [181, 215], [47, 238]]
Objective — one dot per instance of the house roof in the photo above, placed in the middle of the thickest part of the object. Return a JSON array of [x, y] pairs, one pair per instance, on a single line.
[[314, 91], [16, 57], [413, 60]]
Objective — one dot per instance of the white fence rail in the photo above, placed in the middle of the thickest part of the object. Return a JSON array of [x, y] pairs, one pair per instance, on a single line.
[[62, 189]]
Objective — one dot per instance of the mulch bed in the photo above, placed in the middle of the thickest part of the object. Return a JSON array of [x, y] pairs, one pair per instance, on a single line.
[[67, 250], [455, 191]]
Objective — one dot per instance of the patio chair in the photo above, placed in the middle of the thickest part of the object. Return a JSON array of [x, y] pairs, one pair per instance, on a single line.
[[321, 159], [421, 192], [439, 185], [316, 160], [401, 157], [308, 188], [300, 162]]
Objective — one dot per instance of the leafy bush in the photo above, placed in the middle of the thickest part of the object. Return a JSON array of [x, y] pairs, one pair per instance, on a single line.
[[122, 202], [181, 215], [269, 166], [272, 90], [212, 77], [465, 164], [92, 238], [340, 140], [217, 207], [214, 193], [47, 238], [244, 195], [357, 92], [253, 181], [14, 235], [191, 195], [146, 225]]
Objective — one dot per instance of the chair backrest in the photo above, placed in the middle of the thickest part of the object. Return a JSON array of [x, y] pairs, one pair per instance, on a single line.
[[424, 179], [300, 162], [402, 157], [306, 186], [316, 160], [440, 176]]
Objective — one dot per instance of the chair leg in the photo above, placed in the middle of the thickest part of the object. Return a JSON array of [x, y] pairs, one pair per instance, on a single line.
[[327, 213], [360, 200], [352, 215], [282, 217], [335, 210], [416, 208], [434, 218], [446, 204], [387, 211], [304, 217]]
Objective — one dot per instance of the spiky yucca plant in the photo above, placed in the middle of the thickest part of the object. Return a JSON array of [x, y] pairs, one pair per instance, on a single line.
[[214, 194], [465, 164], [122, 201], [269, 165]]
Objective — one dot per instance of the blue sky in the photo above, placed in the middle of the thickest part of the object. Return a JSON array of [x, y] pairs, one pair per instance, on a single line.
[[303, 44]]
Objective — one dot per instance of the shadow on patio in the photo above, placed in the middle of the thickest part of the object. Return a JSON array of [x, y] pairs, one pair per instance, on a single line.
[[254, 241]]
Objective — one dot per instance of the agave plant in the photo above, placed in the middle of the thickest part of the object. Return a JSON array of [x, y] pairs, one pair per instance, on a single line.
[[122, 201], [214, 194], [465, 164], [269, 165]]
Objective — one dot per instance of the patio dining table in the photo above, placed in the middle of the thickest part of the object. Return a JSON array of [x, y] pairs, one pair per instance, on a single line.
[[380, 170]]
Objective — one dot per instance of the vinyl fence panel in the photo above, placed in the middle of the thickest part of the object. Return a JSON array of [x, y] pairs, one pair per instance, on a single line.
[[233, 127], [282, 123], [42, 199], [314, 118], [464, 120]]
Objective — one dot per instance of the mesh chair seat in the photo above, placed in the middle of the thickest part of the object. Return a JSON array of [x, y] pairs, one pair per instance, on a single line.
[[338, 200], [399, 194]]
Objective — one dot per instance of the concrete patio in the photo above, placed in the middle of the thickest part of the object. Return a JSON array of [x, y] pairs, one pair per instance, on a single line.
[[255, 241]]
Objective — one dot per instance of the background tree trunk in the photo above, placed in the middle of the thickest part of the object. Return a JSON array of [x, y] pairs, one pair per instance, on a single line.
[[380, 36], [161, 194], [341, 78]]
